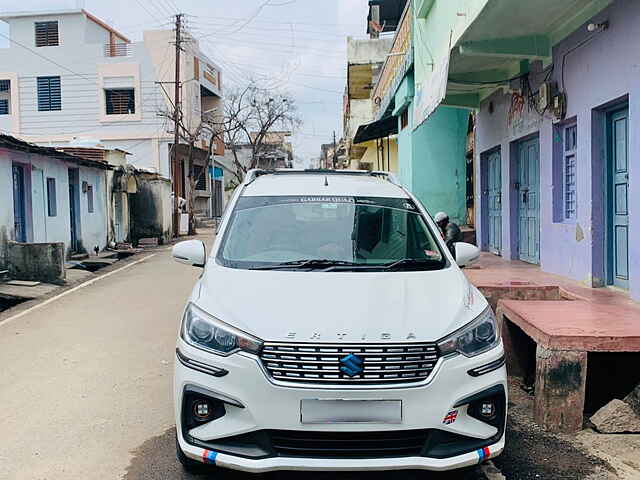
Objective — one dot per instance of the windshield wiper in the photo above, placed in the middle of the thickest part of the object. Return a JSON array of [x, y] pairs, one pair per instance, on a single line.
[[304, 263], [412, 262]]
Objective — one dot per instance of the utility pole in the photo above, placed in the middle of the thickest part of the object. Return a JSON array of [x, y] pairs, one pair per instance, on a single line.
[[176, 122], [335, 153]]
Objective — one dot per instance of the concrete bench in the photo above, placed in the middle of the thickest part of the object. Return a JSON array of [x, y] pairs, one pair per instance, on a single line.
[[563, 332]]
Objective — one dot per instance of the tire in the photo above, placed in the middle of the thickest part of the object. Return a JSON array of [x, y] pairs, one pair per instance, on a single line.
[[190, 465]]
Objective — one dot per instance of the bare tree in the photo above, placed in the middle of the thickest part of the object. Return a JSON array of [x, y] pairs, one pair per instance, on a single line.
[[251, 115]]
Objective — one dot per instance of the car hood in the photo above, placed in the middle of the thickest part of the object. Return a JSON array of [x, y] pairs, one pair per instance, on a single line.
[[343, 307]]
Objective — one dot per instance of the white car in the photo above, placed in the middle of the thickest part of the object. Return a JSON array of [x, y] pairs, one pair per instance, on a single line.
[[332, 329]]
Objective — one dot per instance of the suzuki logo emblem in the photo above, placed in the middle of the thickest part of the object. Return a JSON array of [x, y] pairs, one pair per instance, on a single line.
[[352, 365]]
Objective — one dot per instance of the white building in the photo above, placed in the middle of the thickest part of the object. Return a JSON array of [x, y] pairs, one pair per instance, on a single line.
[[66, 76], [48, 196]]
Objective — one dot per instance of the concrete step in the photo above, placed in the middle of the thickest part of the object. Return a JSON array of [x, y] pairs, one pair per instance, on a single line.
[[205, 222]]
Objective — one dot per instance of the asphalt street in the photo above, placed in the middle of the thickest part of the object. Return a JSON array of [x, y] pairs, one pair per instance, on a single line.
[[86, 387]]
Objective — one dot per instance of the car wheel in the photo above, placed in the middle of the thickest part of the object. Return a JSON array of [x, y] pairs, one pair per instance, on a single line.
[[190, 465]]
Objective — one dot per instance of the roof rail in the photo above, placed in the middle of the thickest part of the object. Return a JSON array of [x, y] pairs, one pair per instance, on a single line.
[[258, 172]]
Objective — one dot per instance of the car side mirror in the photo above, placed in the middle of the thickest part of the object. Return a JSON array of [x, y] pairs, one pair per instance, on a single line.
[[466, 254], [190, 252]]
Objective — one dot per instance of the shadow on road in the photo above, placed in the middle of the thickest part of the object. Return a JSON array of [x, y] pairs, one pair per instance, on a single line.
[[155, 459]]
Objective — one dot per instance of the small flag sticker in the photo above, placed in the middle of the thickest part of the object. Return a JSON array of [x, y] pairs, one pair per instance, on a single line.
[[450, 417]]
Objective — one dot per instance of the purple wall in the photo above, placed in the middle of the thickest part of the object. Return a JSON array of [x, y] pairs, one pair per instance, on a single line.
[[599, 74]]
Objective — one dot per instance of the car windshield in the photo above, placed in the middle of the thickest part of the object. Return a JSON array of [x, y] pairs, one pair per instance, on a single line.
[[329, 233]]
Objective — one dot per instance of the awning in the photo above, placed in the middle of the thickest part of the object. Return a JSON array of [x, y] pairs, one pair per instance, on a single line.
[[379, 129]]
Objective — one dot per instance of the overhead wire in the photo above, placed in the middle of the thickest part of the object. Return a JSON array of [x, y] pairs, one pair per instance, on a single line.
[[139, 2]]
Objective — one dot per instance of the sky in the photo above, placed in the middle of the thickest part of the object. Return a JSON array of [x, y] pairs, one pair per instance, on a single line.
[[297, 46]]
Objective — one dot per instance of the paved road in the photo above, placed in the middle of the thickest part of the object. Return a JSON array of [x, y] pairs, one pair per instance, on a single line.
[[85, 385], [85, 391], [86, 379]]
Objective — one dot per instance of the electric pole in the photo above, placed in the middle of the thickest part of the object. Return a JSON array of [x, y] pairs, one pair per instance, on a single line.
[[176, 123]]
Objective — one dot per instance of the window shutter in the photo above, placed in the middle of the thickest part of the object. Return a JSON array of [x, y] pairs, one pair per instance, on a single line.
[[120, 101], [47, 34], [49, 94]]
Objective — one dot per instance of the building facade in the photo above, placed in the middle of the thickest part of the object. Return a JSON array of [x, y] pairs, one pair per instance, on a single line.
[[66, 76], [365, 58], [556, 162], [50, 196], [431, 159]]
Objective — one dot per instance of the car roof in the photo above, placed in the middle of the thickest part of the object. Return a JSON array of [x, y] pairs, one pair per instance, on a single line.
[[359, 184]]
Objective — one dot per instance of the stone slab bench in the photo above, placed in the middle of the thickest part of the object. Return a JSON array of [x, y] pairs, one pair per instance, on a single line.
[[564, 332]]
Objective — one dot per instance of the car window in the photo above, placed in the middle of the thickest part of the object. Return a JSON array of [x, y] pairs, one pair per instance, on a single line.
[[359, 230]]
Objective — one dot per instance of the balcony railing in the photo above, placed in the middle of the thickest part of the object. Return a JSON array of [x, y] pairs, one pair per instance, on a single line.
[[395, 63], [117, 49]]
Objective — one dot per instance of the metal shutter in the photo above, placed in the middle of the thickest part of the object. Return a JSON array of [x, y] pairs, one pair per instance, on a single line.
[[49, 94], [120, 101], [46, 34]]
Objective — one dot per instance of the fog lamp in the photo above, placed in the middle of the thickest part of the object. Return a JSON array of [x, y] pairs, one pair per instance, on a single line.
[[488, 410], [202, 409]]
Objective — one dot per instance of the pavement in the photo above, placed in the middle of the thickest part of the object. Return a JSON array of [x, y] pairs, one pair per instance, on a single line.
[[86, 379], [86, 390]]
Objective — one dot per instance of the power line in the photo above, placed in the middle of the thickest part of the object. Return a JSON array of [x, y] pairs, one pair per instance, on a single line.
[[251, 18], [276, 22], [48, 59], [259, 30], [147, 10]]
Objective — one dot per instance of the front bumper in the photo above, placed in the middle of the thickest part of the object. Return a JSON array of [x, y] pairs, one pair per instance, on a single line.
[[254, 404]]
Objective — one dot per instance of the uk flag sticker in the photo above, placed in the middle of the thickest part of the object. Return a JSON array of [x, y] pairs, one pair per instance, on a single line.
[[450, 417]]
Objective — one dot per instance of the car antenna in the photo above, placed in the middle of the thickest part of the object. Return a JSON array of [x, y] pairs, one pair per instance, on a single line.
[[326, 181]]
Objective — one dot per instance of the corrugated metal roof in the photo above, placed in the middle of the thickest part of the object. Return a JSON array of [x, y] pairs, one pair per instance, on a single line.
[[12, 143]]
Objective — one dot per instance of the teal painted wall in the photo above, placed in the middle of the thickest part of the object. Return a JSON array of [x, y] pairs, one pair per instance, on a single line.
[[403, 98], [405, 152], [438, 164]]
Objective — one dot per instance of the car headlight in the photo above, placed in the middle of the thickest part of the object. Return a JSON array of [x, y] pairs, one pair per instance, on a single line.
[[474, 338], [204, 331]]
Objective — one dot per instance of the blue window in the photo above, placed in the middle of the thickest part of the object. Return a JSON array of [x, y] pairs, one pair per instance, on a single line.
[[5, 97], [49, 96], [569, 171]]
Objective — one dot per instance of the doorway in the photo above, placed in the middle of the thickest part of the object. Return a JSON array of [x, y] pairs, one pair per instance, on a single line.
[[528, 200], [19, 208], [617, 208], [494, 202], [38, 205], [74, 209]]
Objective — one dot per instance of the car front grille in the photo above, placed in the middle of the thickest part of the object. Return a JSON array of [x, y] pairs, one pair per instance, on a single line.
[[406, 443], [330, 363]]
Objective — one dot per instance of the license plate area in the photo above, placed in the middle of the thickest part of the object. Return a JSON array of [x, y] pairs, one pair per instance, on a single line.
[[320, 411]]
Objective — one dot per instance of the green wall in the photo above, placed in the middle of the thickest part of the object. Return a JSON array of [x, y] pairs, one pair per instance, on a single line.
[[439, 163], [431, 161]]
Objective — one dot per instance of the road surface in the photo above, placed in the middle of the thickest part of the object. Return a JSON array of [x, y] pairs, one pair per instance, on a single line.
[[85, 385]]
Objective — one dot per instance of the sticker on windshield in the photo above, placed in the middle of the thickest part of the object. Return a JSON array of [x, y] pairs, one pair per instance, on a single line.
[[326, 199]]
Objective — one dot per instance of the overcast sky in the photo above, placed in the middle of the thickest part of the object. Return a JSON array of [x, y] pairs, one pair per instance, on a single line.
[[296, 45]]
